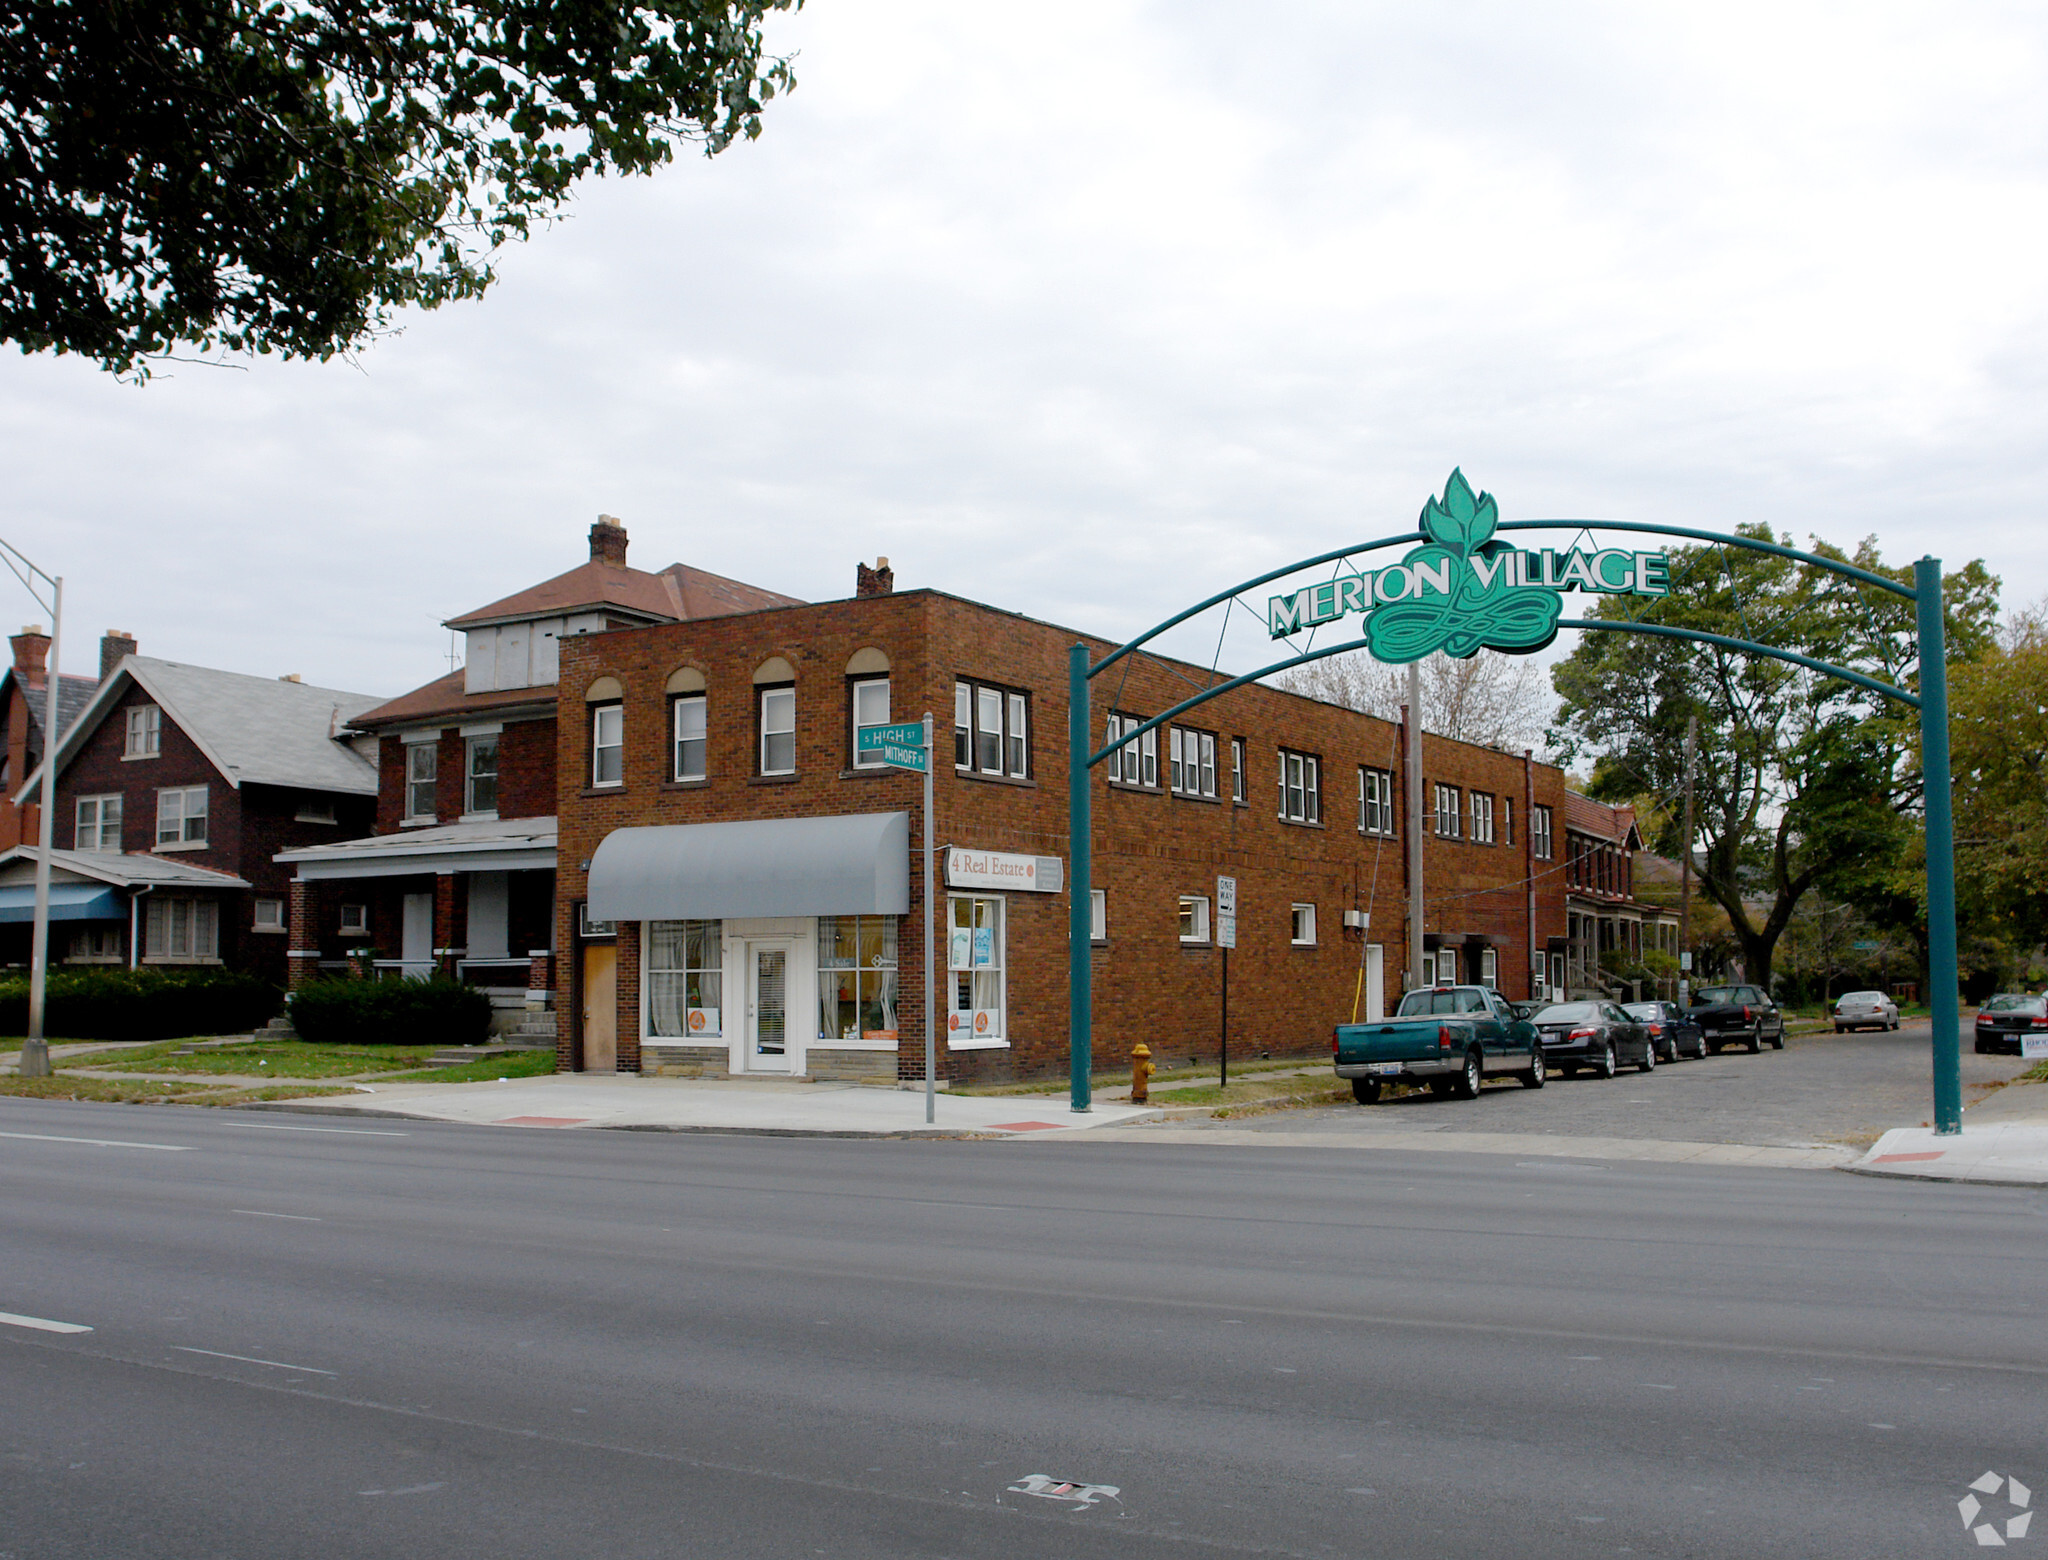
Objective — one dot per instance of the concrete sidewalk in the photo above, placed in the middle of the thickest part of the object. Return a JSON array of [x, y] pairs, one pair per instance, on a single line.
[[763, 1107], [2004, 1142]]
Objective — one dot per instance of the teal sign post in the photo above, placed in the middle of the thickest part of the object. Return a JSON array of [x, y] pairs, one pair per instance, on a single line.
[[900, 746]]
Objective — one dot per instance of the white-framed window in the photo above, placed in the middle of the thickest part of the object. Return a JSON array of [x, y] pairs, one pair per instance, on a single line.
[[97, 825], [857, 979], [1136, 762], [1301, 793], [974, 972], [1482, 818], [145, 732], [1507, 820], [991, 730], [267, 915], [608, 744], [421, 765], [1238, 792], [585, 927], [1448, 819], [1194, 918], [689, 731], [181, 930], [1375, 801], [1098, 915], [354, 920], [1303, 926], [314, 808], [480, 783], [1015, 732], [1539, 836], [1191, 762], [1489, 968], [778, 731], [870, 708], [96, 945], [685, 979], [181, 816]]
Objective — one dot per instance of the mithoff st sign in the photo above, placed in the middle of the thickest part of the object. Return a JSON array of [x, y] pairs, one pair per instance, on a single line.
[[1462, 591], [900, 746]]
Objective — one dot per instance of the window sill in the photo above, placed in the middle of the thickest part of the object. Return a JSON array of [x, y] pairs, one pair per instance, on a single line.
[[170, 846], [1194, 942], [1302, 823], [1379, 834], [97, 958], [479, 817], [178, 958], [789, 779], [702, 784], [1190, 796], [1301, 945], [417, 823], [976, 1045], [136, 758], [1131, 788], [603, 790], [268, 931], [1024, 781]]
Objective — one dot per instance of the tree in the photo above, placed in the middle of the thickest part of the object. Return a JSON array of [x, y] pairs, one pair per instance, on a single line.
[[1801, 779], [280, 176], [1491, 699]]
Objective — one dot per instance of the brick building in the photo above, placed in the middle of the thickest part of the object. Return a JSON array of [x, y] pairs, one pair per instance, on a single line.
[[24, 706], [1605, 920], [742, 892]]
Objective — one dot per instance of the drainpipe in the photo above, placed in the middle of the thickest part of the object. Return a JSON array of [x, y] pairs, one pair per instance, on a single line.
[[1529, 863], [135, 923]]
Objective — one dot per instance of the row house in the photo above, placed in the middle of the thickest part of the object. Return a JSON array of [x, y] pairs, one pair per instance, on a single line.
[[24, 708], [1603, 914], [737, 889], [456, 871]]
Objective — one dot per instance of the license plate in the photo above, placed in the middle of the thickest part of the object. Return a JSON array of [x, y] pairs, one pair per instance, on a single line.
[[1387, 1069]]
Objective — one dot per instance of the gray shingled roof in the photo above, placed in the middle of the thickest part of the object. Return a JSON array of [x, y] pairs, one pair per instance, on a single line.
[[125, 869]]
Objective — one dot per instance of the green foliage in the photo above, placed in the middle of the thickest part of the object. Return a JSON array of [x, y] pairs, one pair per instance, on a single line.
[[260, 177], [391, 1012], [141, 1004], [1998, 756]]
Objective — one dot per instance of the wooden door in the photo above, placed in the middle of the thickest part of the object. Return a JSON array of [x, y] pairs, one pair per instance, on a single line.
[[600, 1007]]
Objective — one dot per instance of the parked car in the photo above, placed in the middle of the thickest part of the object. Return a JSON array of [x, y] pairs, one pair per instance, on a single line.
[[1672, 1033], [1737, 1015], [1449, 1037], [1865, 1010], [1595, 1035], [2007, 1019]]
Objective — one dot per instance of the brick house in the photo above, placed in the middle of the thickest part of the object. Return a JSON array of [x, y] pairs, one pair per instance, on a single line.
[[1603, 914], [741, 892], [176, 787], [24, 690], [457, 871]]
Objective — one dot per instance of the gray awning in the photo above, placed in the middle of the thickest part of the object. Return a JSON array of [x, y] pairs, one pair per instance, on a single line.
[[858, 865]]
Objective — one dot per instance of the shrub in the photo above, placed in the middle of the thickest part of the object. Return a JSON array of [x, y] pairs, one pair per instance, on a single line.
[[391, 1012], [141, 1004]]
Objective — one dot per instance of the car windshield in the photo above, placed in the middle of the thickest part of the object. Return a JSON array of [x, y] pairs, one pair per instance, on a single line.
[[1569, 1013], [1644, 1010], [2014, 1002], [1861, 997], [1718, 994], [1443, 999]]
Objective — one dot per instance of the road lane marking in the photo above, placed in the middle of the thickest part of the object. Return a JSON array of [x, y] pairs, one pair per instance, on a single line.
[[258, 1213], [45, 1137], [410, 1489], [265, 1126], [311, 1370], [9, 1319]]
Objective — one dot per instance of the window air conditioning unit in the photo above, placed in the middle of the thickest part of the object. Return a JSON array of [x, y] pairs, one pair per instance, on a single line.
[[1357, 920]]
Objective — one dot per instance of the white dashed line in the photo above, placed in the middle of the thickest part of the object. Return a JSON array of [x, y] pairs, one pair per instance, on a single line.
[[258, 1213], [7, 1318], [311, 1370], [45, 1137]]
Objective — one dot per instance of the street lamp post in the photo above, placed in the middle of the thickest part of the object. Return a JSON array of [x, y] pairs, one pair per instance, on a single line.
[[35, 1050]]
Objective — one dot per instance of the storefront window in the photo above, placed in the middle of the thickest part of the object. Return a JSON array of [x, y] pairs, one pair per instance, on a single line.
[[974, 971], [685, 979], [857, 978]]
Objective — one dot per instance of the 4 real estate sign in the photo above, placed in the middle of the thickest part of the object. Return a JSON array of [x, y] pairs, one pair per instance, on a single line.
[[1462, 591]]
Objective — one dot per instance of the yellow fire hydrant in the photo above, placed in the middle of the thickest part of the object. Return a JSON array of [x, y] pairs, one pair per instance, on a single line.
[[1141, 1074]]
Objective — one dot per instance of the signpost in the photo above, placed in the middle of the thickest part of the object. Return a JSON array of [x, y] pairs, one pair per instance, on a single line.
[[1226, 939], [909, 746]]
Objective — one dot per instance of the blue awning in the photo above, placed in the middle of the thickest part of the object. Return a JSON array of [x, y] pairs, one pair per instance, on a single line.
[[68, 902]]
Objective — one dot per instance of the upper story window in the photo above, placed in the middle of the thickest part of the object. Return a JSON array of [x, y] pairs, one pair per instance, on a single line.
[[1507, 820], [1137, 761], [689, 732], [608, 744], [1375, 801], [420, 761], [1482, 818], [1539, 831], [145, 732], [480, 786], [181, 816], [98, 824], [778, 731], [870, 707], [991, 730], [1194, 918], [1238, 792], [1301, 790], [1191, 767], [1302, 926], [1447, 812]]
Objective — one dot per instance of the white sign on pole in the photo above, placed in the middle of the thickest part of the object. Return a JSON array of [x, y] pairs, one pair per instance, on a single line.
[[1226, 912]]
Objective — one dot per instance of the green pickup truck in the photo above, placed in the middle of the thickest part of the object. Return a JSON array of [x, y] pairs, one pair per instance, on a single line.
[[1449, 1037]]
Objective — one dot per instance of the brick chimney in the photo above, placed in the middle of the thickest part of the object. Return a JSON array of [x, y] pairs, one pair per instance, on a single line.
[[878, 581], [31, 655], [114, 644], [608, 542]]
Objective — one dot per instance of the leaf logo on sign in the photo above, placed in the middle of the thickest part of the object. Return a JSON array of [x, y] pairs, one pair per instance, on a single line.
[[1478, 615]]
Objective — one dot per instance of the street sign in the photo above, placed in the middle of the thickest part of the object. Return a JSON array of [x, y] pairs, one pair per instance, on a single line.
[[1226, 912], [1864, 946], [901, 747]]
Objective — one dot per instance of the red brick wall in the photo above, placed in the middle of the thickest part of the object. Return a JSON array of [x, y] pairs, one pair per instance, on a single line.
[[526, 774]]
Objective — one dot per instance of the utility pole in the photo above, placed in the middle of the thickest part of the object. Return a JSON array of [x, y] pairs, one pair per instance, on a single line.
[[35, 1051], [1413, 719], [1692, 729]]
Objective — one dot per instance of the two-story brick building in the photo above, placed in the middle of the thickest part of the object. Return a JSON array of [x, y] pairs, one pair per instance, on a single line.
[[24, 707], [1603, 914], [737, 883]]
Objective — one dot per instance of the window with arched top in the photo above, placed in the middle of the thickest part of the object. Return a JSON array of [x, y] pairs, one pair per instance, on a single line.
[[867, 682], [688, 725], [775, 716]]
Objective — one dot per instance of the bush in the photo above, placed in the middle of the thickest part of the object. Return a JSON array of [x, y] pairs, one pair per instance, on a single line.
[[391, 1012], [141, 1004]]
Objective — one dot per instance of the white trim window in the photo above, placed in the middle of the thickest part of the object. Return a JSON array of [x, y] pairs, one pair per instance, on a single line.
[[689, 731], [353, 920], [1136, 762], [422, 762], [181, 816], [480, 777], [1301, 794], [1489, 968], [857, 980], [181, 931], [1448, 813], [1191, 762], [991, 730], [778, 731], [1098, 915], [1375, 800], [607, 745], [95, 945], [1238, 791], [1482, 818], [974, 972], [1540, 840], [1302, 926], [267, 915], [97, 826], [1442, 969], [145, 737], [1194, 918], [1507, 820], [685, 979], [870, 707]]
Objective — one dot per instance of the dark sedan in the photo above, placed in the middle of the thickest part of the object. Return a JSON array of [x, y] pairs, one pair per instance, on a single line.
[[2006, 1022], [1597, 1036], [1672, 1034]]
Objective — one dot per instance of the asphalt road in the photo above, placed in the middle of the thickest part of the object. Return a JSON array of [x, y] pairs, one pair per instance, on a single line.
[[388, 1338]]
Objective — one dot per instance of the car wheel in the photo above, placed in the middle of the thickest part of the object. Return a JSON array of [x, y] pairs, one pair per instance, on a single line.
[[1711, 1050], [1605, 1066], [1365, 1090], [1778, 1039], [1983, 1049], [1840, 1030], [1649, 1061], [1472, 1079], [1756, 1040], [1534, 1077]]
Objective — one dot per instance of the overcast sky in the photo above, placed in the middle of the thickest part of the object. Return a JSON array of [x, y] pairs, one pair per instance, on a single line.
[[1090, 309]]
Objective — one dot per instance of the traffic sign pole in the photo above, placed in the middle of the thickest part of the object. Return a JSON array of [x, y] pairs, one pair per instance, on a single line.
[[931, 930]]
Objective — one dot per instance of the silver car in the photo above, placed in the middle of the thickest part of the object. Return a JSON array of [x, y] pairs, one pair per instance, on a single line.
[[1866, 1010]]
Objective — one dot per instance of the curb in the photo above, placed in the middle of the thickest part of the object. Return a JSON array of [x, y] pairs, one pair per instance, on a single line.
[[1939, 1180]]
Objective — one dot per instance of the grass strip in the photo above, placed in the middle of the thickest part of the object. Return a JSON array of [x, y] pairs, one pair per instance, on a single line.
[[1309, 1090], [279, 1058], [1114, 1080], [111, 1091], [492, 1069]]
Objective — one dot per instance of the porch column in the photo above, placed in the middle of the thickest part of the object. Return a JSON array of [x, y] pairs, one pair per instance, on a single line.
[[449, 919], [302, 957]]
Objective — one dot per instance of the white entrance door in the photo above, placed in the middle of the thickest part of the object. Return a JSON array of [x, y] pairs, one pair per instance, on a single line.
[[416, 945], [1375, 982], [771, 1026]]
